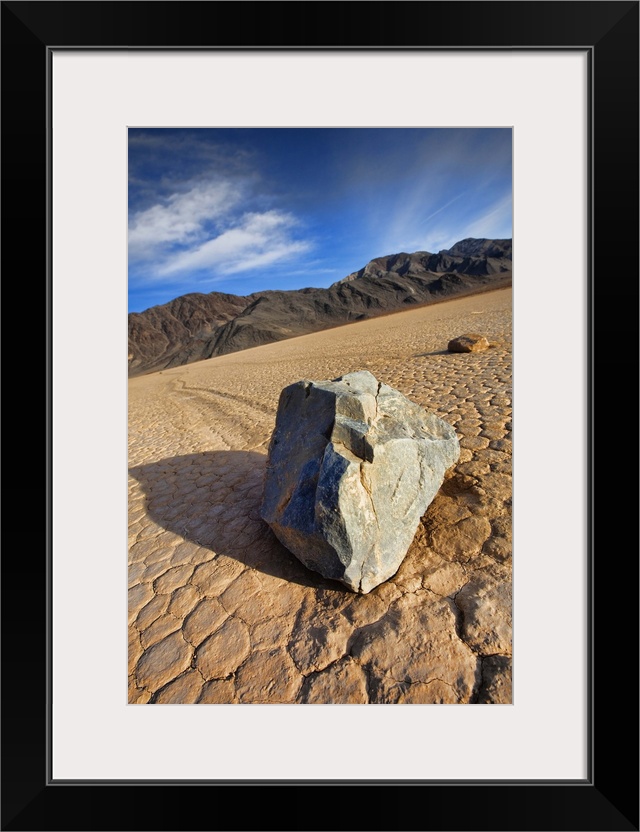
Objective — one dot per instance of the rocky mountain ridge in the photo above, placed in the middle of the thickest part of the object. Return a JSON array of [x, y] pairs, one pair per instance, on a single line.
[[198, 326]]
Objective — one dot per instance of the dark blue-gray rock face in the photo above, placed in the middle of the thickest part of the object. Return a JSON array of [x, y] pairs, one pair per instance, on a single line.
[[353, 465]]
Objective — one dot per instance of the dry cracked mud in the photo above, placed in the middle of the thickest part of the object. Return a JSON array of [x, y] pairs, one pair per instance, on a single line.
[[220, 612]]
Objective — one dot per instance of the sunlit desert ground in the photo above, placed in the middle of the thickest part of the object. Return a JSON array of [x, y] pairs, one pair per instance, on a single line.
[[221, 612]]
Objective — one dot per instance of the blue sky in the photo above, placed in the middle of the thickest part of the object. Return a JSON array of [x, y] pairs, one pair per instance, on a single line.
[[241, 210]]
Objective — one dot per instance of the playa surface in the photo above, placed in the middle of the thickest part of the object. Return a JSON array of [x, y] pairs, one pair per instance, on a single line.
[[221, 612]]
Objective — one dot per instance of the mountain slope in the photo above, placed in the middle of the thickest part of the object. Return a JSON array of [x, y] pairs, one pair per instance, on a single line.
[[198, 326]]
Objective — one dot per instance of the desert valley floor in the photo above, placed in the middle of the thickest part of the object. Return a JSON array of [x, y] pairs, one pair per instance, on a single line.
[[220, 612]]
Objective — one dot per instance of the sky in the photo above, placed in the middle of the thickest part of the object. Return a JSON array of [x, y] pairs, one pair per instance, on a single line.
[[243, 210]]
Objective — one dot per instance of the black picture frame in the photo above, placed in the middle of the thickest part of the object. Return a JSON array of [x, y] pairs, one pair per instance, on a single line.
[[608, 798]]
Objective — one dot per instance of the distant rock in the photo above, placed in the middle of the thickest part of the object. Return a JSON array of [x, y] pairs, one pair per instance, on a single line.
[[198, 326], [353, 465], [471, 342]]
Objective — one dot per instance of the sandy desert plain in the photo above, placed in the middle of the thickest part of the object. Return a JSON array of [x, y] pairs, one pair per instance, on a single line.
[[220, 612]]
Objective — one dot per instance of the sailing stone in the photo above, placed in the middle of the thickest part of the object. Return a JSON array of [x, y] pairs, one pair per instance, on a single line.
[[353, 465]]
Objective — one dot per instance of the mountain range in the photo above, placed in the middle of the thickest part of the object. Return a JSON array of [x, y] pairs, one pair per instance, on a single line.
[[196, 326]]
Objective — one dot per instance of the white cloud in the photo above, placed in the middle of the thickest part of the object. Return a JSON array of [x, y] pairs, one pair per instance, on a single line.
[[258, 239], [265, 258], [206, 227], [180, 219]]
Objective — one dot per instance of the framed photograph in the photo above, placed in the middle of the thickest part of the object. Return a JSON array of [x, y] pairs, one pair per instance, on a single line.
[[359, 552], [87, 77]]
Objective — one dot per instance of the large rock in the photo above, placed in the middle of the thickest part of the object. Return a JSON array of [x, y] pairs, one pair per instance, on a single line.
[[353, 465]]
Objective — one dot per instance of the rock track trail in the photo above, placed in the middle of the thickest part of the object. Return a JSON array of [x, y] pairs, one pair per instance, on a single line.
[[220, 612]]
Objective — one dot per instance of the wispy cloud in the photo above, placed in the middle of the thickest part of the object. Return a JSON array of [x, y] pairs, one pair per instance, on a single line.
[[200, 209], [442, 208], [241, 210], [494, 221], [430, 181], [180, 219], [258, 239]]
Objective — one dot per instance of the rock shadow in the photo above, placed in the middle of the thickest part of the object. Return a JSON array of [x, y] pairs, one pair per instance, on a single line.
[[213, 499], [427, 354]]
